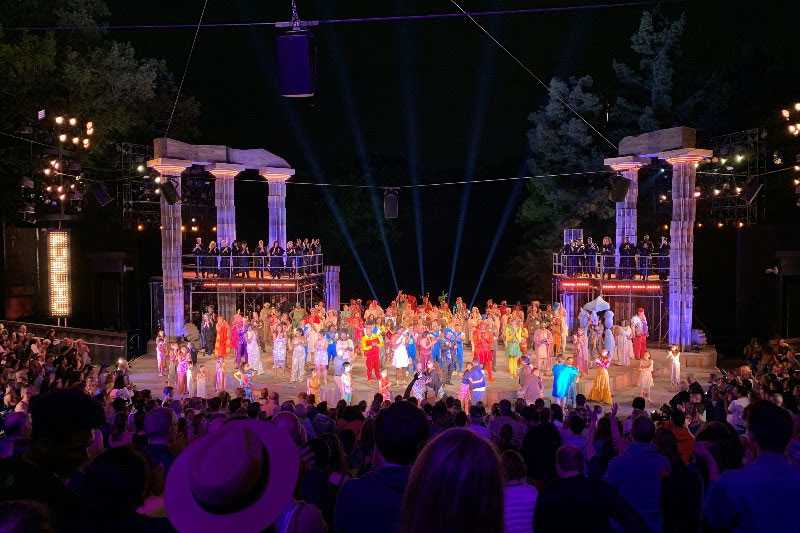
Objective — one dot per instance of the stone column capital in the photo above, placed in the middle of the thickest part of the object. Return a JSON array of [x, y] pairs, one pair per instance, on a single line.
[[169, 167], [685, 155], [273, 174], [626, 162], [224, 170]]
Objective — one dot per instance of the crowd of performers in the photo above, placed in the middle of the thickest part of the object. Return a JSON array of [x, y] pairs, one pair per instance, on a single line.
[[641, 259], [238, 260], [411, 347]]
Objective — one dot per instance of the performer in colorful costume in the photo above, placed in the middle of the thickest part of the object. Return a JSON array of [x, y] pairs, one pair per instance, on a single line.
[[371, 343]]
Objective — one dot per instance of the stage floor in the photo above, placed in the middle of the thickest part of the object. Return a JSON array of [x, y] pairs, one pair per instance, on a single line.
[[624, 384]]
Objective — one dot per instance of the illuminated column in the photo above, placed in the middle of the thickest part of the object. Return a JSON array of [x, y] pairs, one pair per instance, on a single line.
[[171, 244], [225, 202], [626, 218], [332, 295], [224, 174], [681, 255], [276, 202], [58, 274]]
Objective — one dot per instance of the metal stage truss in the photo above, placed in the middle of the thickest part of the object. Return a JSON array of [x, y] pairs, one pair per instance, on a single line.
[[624, 295], [246, 287]]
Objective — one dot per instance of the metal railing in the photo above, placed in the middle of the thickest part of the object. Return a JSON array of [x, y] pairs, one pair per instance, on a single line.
[[252, 266], [606, 267]]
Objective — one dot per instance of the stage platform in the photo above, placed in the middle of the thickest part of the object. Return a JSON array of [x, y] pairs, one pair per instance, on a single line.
[[624, 380]]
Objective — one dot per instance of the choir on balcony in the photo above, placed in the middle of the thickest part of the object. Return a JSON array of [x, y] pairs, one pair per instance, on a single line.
[[300, 258], [642, 260]]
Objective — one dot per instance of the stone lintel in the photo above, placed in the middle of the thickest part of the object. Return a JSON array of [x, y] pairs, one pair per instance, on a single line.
[[651, 143], [207, 154], [276, 174], [685, 155], [169, 167], [626, 162], [224, 170]]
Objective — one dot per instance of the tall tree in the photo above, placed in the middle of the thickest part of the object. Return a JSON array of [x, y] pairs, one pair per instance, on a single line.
[[560, 142]]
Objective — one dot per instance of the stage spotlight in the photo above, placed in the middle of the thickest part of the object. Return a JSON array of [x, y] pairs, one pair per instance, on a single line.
[[59, 120], [390, 203], [59, 272], [73, 121], [140, 168]]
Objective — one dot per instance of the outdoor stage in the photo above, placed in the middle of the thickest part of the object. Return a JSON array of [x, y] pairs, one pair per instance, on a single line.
[[624, 381]]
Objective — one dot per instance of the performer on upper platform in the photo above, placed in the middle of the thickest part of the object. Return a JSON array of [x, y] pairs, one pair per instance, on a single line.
[[607, 250], [225, 260], [663, 258], [261, 260], [198, 253], [210, 266], [275, 260], [627, 261], [645, 250], [590, 252], [566, 255]]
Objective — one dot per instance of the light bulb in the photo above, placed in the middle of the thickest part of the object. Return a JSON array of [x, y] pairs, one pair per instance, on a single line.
[[663, 197], [90, 131], [60, 188], [797, 106], [697, 194], [140, 227], [53, 162], [73, 121], [699, 224], [89, 125], [717, 192], [59, 120], [214, 228], [194, 219], [797, 168], [723, 160], [62, 197], [797, 181], [46, 172], [720, 224], [72, 186], [140, 168], [49, 188], [75, 140], [183, 228], [157, 179], [739, 158], [62, 137], [785, 113], [740, 224], [158, 191]]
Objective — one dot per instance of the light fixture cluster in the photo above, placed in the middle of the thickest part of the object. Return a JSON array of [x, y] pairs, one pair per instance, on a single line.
[[69, 131]]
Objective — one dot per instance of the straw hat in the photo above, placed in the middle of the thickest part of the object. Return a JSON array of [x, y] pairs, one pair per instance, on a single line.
[[239, 478]]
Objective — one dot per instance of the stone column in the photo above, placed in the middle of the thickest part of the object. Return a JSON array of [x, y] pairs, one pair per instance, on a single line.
[[225, 202], [626, 211], [681, 256], [332, 295], [276, 202], [171, 246]]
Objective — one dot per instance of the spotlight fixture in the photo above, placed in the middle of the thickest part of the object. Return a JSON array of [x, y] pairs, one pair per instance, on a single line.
[[60, 188], [140, 227], [720, 224], [797, 181], [62, 138], [46, 172], [739, 158], [157, 180], [75, 140], [738, 190], [60, 119], [59, 272], [699, 224], [62, 197], [723, 160], [740, 224], [140, 168], [785, 113], [214, 229], [697, 194], [49, 188], [194, 228], [73, 121], [663, 197], [717, 191], [665, 227], [90, 125], [158, 190]]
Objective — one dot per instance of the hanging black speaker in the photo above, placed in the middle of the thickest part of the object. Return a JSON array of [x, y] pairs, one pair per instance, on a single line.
[[296, 64], [391, 203], [169, 192], [619, 188]]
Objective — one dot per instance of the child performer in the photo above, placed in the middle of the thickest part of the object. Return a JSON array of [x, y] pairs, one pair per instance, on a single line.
[[312, 383], [201, 382], [161, 353], [347, 384], [191, 386], [245, 379], [321, 358], [279, 351], [384, 384], [601, 389], [219, 375], [298, 356], [183, 366], [645, 375], [674, 356], [463, 389]]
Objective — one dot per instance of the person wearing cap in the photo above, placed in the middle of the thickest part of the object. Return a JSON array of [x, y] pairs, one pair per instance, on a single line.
[[372, 502]]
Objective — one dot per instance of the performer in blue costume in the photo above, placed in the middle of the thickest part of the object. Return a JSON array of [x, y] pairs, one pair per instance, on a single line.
[[436, 349], [564, 376], [459, 336], [411, 348]]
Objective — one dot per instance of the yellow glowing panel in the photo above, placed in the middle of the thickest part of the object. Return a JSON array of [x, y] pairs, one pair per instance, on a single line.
[[58, 261]]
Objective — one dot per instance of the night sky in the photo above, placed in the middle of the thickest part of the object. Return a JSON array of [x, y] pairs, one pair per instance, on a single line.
[[438, 93]]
